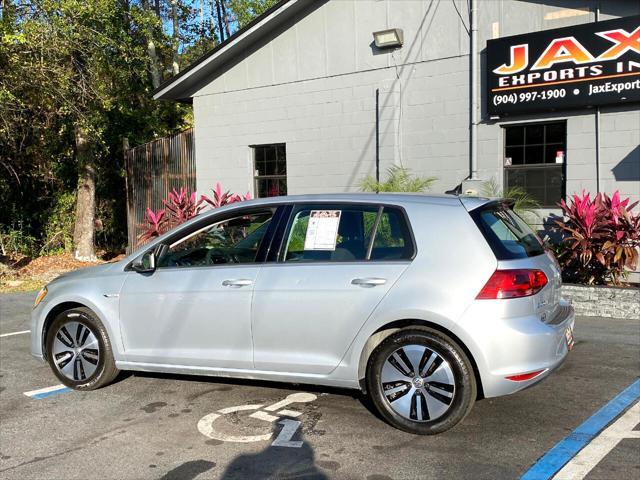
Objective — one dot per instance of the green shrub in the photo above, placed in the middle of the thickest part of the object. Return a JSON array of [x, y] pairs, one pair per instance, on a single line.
[[399, 179], [16, 242], [58, 225]]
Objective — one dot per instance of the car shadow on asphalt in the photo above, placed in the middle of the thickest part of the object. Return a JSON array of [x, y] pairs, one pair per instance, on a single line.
[[364, 400]]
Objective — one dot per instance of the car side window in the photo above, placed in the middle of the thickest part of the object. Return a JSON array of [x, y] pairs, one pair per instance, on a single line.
[[393, 238], [231, 241], [343, 233]]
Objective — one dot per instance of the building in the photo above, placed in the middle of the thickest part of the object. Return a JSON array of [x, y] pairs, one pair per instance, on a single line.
[[303, 101]]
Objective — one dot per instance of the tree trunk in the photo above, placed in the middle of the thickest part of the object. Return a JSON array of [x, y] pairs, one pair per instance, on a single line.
[[176, 36], [225, 14], [220, 27], [154, 69], [84, 231]]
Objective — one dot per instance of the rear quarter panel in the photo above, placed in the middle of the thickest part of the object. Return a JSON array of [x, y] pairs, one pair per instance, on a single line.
[[452, 264]]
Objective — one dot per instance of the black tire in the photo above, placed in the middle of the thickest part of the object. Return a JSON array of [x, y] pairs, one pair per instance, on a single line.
[[464, 393], [105, 367]]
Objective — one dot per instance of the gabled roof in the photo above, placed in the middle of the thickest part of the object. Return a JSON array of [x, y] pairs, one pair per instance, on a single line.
[[181, 86]]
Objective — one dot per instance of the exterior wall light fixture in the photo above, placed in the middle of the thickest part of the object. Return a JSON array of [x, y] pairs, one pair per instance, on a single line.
[[391, 38]]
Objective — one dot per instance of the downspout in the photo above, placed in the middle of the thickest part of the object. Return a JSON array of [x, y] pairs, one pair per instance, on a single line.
[[473, 118], [377, 138], [597, 124]]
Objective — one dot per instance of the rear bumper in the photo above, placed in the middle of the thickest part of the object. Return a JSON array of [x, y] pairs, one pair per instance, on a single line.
[[520, 345]]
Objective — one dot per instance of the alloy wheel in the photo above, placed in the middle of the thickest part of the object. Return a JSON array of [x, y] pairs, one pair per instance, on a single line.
[[418, 383], [76, 351]]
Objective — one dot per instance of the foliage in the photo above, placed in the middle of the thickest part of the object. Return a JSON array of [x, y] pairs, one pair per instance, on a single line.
[[58, 226], [182, 206], [221, 199], [399, 179], [602, 238], [524, 204], [15, 242], [89, 64]]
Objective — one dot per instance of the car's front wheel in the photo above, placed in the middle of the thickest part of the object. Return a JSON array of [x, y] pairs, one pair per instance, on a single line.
[[421, 381], [79, 351]]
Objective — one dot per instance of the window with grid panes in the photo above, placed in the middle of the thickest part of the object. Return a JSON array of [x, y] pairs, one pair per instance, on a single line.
[[534, 157], [270, 170]]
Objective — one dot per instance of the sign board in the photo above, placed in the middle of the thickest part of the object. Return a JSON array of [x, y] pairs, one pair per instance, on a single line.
[[573, 67], [322, 231]]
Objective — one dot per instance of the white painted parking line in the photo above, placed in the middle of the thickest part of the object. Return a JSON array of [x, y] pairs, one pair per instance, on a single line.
[[594, 452], [47, 392], [14, 333]]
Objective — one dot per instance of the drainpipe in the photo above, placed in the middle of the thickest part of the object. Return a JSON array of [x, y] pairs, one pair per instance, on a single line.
[[598, 124], [377, 137], [473, 118]]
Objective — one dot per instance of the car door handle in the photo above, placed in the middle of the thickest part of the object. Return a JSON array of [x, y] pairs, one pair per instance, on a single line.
[[242, 282], [368, 282]]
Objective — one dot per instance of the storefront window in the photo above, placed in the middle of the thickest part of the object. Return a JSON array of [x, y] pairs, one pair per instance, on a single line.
[[270, 170], [534, 160]]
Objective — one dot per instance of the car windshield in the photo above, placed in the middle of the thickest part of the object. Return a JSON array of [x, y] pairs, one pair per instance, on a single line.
[[509, 235]]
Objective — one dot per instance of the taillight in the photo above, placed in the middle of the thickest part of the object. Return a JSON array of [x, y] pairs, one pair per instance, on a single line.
[[513, 284]]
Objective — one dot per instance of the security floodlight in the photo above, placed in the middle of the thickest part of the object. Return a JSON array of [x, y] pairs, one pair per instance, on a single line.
[[391, 38]]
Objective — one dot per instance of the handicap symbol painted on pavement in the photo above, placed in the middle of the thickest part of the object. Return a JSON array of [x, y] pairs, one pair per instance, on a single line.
[[271, 414]]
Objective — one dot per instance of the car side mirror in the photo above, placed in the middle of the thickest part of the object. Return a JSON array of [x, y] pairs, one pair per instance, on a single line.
[[146, 263]]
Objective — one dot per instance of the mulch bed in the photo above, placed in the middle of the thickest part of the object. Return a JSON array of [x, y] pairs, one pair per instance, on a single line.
[[26, 273]]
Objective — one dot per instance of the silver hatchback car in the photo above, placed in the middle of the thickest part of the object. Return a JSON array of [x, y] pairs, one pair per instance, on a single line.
[[425, 303]]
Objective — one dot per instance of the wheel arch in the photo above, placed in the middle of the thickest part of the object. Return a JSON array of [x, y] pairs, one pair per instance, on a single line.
[[51, 316], [385, 330]]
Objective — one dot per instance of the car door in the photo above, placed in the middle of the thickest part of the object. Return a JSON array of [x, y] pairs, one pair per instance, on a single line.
[[336, 263], [195, 308]]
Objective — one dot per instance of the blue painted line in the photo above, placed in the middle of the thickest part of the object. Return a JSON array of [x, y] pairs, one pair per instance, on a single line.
[[566, 449], [39, 396]]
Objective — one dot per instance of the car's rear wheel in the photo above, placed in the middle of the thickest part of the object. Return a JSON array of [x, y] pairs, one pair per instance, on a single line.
[[421, 381], [79, 351]]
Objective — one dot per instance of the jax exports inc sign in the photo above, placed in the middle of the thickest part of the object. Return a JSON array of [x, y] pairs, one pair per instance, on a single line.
[[572, 67]]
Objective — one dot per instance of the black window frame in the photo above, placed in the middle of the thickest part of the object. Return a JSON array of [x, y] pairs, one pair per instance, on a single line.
[[506, 169], [183, 231], [257, 177], [277, 255]]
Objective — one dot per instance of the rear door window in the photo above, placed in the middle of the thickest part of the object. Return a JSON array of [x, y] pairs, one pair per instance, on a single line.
[[509, 236], [347, 233]]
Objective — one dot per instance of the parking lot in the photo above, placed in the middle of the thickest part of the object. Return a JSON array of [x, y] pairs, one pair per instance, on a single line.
[[160, 426]]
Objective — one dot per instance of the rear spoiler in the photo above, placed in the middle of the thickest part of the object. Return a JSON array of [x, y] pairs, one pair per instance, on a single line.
[[473, 203]]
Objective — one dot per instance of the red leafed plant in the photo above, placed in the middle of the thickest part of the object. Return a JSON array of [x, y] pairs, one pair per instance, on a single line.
[[602, 238], [182, 206], [221, 199], [156, 225]]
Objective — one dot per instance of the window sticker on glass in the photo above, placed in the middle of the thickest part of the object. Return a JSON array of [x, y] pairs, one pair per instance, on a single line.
[[322, 232]]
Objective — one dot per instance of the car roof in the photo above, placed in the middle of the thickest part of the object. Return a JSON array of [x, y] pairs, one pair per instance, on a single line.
[[393, 198]]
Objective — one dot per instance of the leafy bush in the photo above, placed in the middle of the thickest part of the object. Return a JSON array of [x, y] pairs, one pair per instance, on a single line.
[[16, 242], [182, 206], [602, 238], [399, 179], [58, 228], [221, 199]]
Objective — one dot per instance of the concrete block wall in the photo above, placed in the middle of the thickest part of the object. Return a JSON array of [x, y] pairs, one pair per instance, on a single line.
[[311, 85]]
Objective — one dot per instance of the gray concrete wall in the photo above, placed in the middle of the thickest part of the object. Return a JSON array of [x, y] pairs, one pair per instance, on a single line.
[[311, 85]]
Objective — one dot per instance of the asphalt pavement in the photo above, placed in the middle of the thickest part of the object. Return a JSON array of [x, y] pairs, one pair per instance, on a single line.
[[171, 427]]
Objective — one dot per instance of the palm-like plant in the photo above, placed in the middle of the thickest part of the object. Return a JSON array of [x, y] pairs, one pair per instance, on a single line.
[[399, 179], [523, 203]]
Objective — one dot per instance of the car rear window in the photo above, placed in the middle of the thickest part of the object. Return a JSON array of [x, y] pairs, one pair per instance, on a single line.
[[509, 236]]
